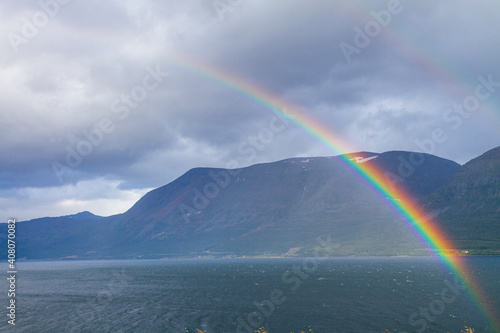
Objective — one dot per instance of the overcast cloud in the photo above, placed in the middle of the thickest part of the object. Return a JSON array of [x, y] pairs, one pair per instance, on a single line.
[[72, 140]]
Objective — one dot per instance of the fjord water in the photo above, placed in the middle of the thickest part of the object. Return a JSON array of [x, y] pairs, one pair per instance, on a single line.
[[233, 295]]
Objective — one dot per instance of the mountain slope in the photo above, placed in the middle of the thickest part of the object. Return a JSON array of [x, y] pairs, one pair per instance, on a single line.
[[275, 207], [50, 237], [279, 208], [468, 205]]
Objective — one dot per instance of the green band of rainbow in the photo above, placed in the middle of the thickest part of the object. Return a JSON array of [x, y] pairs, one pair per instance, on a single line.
[[403, 204], [411, 214]]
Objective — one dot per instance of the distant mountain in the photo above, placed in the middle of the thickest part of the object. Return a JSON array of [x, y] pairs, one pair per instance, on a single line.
[[299, 206], [468, 205], [51, 237], [280, 207]]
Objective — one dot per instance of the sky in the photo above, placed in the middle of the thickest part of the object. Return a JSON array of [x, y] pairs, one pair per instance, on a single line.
[[103, 101]]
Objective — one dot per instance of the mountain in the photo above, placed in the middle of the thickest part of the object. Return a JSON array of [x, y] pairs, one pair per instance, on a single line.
[[278, 208], [468, 206], [51, 237], [299, 206]]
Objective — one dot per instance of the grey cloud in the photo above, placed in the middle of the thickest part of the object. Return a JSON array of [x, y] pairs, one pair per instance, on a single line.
[[396, 90]]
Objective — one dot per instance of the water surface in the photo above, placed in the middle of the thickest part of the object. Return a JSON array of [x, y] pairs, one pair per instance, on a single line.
[[239, 295]]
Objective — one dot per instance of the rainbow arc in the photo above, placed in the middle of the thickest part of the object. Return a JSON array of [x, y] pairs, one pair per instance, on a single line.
[[402, 203]]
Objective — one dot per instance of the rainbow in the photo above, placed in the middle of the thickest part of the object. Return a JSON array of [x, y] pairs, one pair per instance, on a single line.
[[414, 216], [422, 56], [404, 206]]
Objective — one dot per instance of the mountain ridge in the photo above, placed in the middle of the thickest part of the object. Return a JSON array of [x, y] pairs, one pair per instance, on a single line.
[[272, 209], [471, 197]]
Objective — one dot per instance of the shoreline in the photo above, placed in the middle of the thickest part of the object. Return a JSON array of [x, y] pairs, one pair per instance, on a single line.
[[251, 257]]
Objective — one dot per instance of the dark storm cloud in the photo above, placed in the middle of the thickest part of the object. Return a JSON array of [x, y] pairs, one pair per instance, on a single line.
[[70, 80]]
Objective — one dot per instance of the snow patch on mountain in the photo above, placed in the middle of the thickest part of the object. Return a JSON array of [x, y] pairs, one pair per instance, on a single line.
[[360, 159]]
